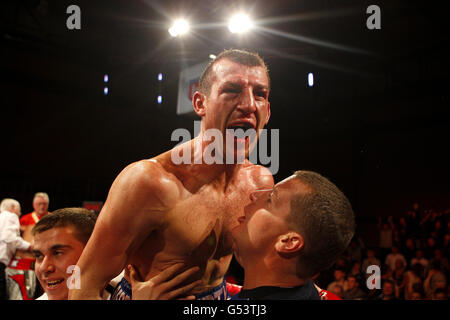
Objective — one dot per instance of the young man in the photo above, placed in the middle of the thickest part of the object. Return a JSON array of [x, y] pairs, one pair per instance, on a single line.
[[10, 239], [290, 233], [59, 239], [159, 213]]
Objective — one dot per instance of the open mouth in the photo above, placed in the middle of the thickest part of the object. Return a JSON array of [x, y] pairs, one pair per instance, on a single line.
[[51, 284], [244, 126]]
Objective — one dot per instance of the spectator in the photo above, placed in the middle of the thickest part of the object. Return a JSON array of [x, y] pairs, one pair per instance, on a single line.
[[393, 257], [409, 249], [429, 248], [369, 261], [398, 275], [10, 239], [355, 271], [354, 251], [388, 292], [337, 290], [419, 258], [353, 291], [339, 279], [412, 279], [386, 235], [440, 261], [416, 295], [40, 206], [435, 279]]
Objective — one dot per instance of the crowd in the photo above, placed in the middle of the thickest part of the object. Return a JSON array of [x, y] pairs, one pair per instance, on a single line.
[[412, 256]]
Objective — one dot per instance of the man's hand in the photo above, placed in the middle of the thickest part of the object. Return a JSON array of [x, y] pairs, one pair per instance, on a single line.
[[161, 286]]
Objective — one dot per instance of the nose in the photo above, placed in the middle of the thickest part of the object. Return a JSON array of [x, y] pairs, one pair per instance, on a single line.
[[46, 266], [247, 105]]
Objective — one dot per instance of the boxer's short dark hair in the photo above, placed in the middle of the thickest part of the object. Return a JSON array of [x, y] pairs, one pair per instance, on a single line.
[[324, 217], [82, 221], [243, 57]]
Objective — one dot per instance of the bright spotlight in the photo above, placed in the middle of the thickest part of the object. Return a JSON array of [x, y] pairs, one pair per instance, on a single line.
[[105, 78], [105, 90], [160, 77], [310, 79], [179, 27], [239, 23], [159, 99]]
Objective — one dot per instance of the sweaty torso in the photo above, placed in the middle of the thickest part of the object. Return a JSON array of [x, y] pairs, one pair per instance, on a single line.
[[197, 227]]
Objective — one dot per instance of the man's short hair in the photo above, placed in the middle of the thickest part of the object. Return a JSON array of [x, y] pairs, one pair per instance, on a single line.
[[41, 195], [82, 220], [324, 217], [243, 57], [9, 204]]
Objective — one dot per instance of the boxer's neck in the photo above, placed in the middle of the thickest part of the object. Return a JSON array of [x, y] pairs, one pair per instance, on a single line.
[[196, 173]]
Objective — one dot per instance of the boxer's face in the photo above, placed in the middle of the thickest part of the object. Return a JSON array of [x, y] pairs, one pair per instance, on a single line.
[[238, 99], [55, 250], [40, 206], [265, 219]]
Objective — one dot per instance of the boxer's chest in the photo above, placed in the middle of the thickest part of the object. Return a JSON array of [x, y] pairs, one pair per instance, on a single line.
[[200, 224]]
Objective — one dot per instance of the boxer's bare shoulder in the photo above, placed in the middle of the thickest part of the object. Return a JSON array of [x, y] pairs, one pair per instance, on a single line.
[[149, 181]]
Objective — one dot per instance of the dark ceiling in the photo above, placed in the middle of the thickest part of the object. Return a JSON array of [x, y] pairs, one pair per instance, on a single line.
[[376, 122]]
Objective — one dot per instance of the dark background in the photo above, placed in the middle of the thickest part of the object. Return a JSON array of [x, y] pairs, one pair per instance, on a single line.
[[376, 122]]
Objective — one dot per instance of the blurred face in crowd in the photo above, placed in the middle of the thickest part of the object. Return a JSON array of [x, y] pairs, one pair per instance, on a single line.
[[16, 209], [388, 289], [352, 283], [410, 243], [337, 290], [40, 206], [55, 250], [339, 275]]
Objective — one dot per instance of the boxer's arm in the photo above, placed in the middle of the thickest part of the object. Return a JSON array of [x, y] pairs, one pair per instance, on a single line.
[[133, 209]]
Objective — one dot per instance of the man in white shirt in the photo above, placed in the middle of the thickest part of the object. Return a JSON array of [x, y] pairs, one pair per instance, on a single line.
[[393, 257], [10, 239]]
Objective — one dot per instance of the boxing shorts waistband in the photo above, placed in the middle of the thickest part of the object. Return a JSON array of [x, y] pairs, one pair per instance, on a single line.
[[217, 293], [123, 292]]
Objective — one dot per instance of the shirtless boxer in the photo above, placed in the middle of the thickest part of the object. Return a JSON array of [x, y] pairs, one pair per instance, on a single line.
[[158, 213]]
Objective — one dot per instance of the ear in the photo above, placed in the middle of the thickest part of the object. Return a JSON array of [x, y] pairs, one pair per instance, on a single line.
[[289, 244], [198, 102], [268, 113]]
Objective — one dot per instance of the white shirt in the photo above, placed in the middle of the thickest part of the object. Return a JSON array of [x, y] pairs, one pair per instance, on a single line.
[[10, 239]]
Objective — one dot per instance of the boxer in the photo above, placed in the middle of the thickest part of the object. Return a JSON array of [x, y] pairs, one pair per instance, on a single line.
[[159, 213]]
